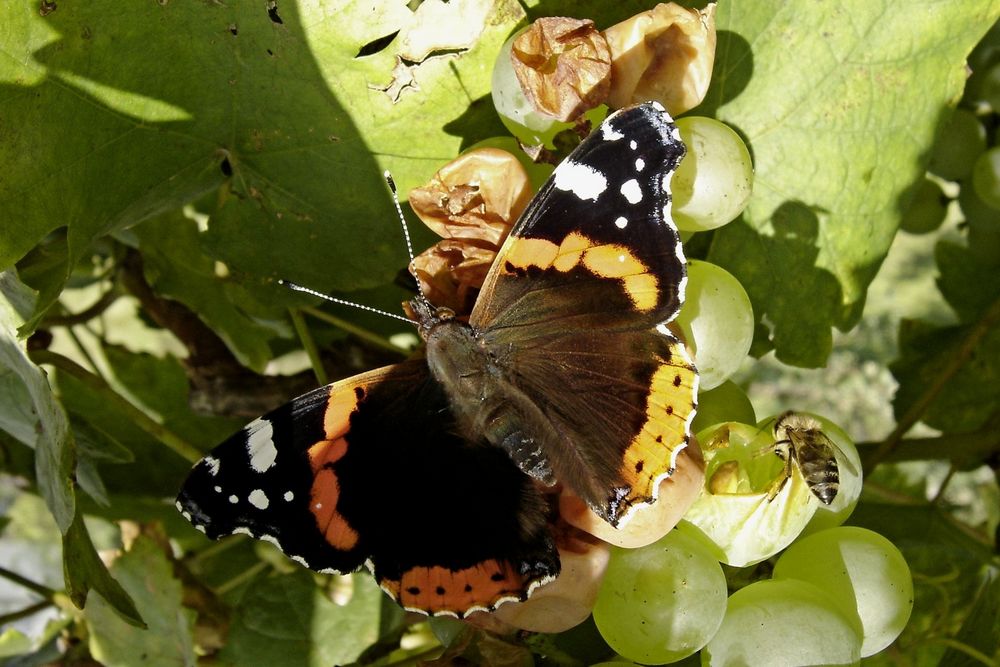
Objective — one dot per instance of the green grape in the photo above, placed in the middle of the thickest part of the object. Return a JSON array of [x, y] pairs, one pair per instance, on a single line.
[[736, 510], [983, 223], [961, 142], [661, 602], [783, 624], [986, 177], [861, 572], [927, 209], [518, 114], [717, 322], [989, 87], [725, 403], [537, 172], [714, 181]]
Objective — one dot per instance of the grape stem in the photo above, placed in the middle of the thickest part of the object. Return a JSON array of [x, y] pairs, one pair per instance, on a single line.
[[989, 320]]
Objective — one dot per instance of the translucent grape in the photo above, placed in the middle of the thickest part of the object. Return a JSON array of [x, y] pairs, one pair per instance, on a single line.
[[986, 177], [927, 209], [862, 572], [961, 142], [518, 114], [735, 510], [725, 403], [662, 602], [714, 181], [746, 511], [783, 624], [717, 321]]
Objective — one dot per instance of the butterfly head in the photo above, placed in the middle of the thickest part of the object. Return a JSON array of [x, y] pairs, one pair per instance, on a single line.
[[426, 315]]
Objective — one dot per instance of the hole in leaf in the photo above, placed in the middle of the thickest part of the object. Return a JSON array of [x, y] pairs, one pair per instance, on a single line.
[[272, 11], [226, 167], [376, 45], [233, 30]]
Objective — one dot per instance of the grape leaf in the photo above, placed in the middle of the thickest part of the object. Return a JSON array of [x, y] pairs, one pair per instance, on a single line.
[[160, 388], [962, 267], [177, 267], [981, 629], [835, 145], [968, 397], [52, 439], [100, 134], [148, 577], [14, 642], [83, 570], [286, 620]]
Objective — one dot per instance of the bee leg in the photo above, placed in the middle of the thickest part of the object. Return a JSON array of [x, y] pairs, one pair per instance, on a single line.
[[782, 451]]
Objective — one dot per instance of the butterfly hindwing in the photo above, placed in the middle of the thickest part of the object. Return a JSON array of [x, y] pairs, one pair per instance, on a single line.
[[369, 471]]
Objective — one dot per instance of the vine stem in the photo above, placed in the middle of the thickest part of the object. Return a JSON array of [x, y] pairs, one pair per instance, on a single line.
[[973, 653], [360, 332], [986, 323], [172, 440], [32, 586], [309, 344], [7, 619]]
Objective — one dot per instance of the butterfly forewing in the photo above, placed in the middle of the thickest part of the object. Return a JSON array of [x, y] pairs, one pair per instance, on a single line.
[[599, 233]]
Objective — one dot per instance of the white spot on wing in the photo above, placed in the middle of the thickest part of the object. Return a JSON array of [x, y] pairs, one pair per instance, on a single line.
[[270, 538], [234, 499], [200, 528], [583, 181], [640, 164], [610, 133], [631, 191], [213, 465], [288, 496], [218, 489], [621, 222], [258, 499], [260, 444], [633, 145], [300, 560]]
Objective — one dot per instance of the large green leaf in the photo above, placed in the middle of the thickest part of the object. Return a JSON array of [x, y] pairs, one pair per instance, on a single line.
[[839, 103], [177, 267], [107, 122], [84, 570], [30, 411], [285, 620], [148, 576], [965, 397]]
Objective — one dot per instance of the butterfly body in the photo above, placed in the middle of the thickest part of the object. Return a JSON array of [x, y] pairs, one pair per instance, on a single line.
[[426, 471]]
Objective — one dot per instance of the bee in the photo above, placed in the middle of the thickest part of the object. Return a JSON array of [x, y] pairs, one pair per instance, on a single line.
[[799, 440]]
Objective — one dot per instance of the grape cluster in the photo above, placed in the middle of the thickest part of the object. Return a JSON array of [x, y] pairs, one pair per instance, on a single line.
[[799, 587], [966, 154]]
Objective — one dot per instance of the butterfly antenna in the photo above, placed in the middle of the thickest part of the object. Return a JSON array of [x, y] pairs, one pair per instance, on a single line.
[[402, 221], [343, 302]]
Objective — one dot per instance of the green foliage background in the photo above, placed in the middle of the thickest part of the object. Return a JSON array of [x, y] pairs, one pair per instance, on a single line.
[[163, 162]]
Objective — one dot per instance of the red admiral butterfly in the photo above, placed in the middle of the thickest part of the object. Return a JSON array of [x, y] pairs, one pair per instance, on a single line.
[[426, 471]]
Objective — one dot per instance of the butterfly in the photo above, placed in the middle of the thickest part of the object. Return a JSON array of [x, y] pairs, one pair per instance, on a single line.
[[428, 472]]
